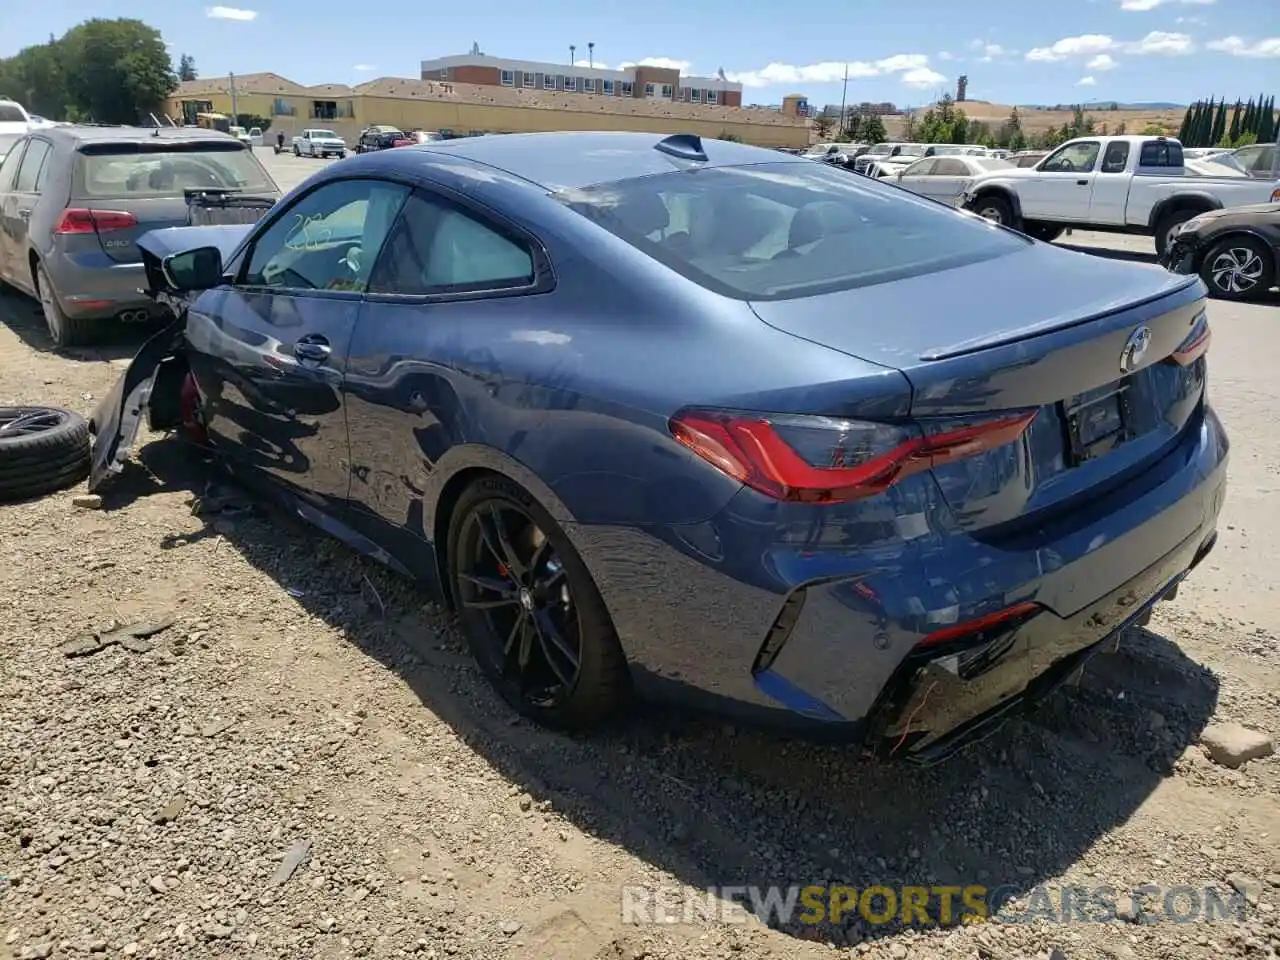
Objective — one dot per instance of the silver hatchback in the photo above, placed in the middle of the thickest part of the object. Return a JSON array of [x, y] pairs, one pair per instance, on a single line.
[[75, 200]]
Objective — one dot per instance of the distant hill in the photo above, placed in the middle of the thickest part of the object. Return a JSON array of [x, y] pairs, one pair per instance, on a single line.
[[1109, 105]]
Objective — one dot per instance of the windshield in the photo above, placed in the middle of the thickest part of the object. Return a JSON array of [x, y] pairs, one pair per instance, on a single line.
[[11, 113], [912, 150], [773, 231], [122, 170], [323, 135], [881, 148]]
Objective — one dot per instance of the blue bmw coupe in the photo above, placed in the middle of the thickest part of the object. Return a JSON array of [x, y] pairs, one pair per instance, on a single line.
[[734, 423]]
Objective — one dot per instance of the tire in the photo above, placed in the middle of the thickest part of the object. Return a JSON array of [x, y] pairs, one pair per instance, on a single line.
[[42, 450], [64, 331], [1044, 232], [1165, 226], [1239, 268], [600, 685], [995, 208], [296, 152]]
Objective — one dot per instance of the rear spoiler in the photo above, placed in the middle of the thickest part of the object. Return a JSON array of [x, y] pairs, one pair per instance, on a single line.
[[208, 206]]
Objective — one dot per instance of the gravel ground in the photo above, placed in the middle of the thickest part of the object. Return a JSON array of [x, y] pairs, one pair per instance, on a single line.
[[305, 764]]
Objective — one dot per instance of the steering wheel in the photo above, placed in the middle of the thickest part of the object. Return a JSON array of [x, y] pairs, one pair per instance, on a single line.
[[352, 260], [1066, 166]]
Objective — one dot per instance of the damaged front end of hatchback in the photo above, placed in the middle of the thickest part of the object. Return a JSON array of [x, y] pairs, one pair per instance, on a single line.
[[181, 264]]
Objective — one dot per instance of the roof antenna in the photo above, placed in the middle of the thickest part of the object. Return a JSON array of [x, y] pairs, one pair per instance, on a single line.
[[684, 146]]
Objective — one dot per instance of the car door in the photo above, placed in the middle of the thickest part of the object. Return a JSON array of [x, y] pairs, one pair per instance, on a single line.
[[9, 209], [916, 177], [948, 179], [20, 204], [1109, 195], [452, 290], [270, 349], [1060, 188]]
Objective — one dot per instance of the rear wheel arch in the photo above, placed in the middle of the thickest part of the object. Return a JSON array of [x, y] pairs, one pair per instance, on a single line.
[[1001, 192]]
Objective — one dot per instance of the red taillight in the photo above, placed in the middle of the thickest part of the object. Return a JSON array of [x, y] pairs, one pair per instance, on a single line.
[[76, 220], [859, 459], [971, 628], [1195, 346]]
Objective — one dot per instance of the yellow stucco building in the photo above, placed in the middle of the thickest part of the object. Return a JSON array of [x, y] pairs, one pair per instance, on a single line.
[[467, 109]]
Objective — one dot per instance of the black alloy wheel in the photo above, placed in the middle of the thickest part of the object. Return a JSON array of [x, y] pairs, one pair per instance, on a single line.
[[530, 612], [42, 450]]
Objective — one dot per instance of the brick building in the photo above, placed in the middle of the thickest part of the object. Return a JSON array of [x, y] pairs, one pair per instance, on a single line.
[[637, 82]]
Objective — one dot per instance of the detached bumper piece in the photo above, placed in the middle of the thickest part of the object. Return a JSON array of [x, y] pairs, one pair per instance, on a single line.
[[1179, 256], [957, 689]]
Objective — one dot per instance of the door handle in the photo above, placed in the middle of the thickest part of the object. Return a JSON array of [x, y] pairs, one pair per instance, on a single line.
[[1082, 183], [312, 349]]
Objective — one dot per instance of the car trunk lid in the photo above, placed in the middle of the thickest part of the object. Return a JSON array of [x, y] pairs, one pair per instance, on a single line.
[[1089, 346], [123, 190]]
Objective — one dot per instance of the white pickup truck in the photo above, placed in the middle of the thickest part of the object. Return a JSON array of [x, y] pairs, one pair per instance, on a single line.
[[1133, 185], [319, 143]]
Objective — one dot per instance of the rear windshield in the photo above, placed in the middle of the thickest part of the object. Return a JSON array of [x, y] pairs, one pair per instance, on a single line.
[[775, 231], [11, 113], [123, 170]]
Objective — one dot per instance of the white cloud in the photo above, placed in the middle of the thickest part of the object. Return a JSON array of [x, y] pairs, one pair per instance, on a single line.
[[665, 63], [922, 78], [1194, 21], [1086, 82], [1238, 47], [1103, 61], [832, 71], [944, 55], [592, 64], [1081, 46], [1140, 6], [230, 13], [365, 67], [1094, 44]]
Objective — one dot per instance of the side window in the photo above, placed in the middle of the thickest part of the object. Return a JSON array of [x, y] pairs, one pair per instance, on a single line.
[[950, 167], [32, 162], [1160, 153], [438, 248], [10, 166], [328, 240], [1078, 157], [1116, 157], [921, 168]]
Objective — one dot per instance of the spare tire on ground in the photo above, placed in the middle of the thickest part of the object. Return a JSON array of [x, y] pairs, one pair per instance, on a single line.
[[42, 449]]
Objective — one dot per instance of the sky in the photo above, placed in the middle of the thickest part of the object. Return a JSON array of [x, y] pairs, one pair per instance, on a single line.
[[908, 54]]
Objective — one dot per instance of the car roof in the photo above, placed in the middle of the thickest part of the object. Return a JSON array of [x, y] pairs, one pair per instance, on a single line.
[[83, 133], [564, 161]]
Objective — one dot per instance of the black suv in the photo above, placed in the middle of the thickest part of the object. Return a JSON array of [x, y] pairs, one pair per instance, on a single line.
[[378, 138]]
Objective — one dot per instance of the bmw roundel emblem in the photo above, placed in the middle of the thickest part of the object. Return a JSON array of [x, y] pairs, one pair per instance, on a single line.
[[1135, 348]]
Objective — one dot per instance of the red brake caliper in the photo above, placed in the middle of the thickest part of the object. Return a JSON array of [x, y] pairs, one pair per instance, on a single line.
[[192, 422]]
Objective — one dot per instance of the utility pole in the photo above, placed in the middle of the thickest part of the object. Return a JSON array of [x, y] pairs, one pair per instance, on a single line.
[[844, 91], [235, 111], [573, 53], [591, 54]]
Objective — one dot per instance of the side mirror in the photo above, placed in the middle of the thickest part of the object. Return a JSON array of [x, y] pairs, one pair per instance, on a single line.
[[198, 269]]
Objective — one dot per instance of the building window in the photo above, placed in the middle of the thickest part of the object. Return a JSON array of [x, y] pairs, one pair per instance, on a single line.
[[444, 73], [649, 91], [713, 96], [507, 78], [588, 85], [324, 110], [571, 84], [530, 79], [627, 89], [278, 108], [608, 88], [666, 91], [548, 81], [697, 95]]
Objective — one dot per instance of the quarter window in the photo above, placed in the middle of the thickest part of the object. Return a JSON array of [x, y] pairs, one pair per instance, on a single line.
[[950, 167], [328, 240], [437, 248], [1116, 157], [10, 165], [32, 163]]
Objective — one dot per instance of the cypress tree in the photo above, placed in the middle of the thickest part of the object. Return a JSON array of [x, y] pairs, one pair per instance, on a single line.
[[1270, 120], [1233, 131], [1247, 124], [1205, 127], [1185, 129], [1219, 123], [1263, 127]]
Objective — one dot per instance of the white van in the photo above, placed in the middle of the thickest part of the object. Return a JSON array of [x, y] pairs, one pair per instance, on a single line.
[[13, 117]]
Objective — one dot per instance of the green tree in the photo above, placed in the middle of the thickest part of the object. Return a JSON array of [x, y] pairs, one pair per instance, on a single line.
[[822, 126], [873, 129], [1154, 130], [122, 69], [1184, 131], [1233, 129], [36, 79], [853, 129], [1219, 122], [187, 68]]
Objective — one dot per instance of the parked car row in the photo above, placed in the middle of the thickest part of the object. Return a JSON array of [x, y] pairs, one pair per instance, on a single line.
[[385, 138]]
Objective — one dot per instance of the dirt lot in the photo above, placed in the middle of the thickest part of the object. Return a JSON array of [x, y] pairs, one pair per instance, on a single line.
[[152, 800]]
